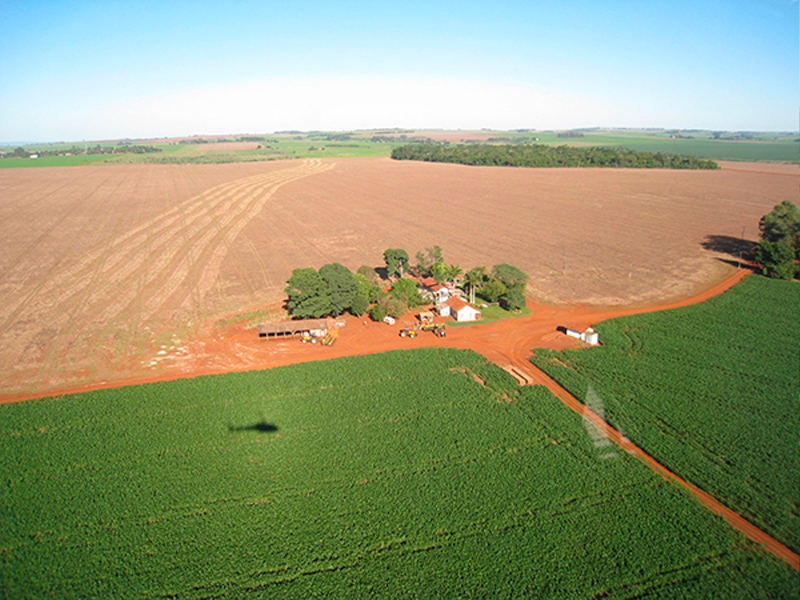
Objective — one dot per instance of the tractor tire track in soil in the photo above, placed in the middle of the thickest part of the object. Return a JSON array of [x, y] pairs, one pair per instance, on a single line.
[[161, 267]]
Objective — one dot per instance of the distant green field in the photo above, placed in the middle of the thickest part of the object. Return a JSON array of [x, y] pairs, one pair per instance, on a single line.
[[423, 473], [52, 161], [707, 148], [712, 391], [775, 148]]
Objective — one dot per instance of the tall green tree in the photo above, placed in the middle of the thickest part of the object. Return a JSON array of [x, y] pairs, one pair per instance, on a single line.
[[474, 279], [426, 260], [342, 286], [452, 272], [493, 290], [308, 294], [439, 271], [510, 275], [406, 290], [368, 288], [776, 259], [782, 225], [359, 305], [513, 299], [780, 241], [396, 261]]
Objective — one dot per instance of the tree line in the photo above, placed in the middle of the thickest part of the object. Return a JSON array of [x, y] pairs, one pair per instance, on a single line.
[[21, 152], [334, 289], [542, 155]]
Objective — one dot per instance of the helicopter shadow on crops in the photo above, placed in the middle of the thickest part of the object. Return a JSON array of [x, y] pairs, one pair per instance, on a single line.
[[262, 426]]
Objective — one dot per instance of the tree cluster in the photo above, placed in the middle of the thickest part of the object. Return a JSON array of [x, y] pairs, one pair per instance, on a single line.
[[331, 291], [779, 247], [505, 285], [334, 289], [542, 155]]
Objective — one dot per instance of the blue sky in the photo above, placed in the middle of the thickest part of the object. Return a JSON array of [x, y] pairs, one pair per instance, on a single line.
[[101, 70]]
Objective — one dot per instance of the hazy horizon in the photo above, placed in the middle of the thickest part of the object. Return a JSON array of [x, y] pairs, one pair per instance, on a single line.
[[116, 70], [232, 134]]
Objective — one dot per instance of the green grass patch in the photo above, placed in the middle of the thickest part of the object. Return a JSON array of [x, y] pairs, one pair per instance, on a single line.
[[393, 475], [712, 391]]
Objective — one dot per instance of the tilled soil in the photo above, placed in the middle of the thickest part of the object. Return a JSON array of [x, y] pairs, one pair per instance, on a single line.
[[110, 272]]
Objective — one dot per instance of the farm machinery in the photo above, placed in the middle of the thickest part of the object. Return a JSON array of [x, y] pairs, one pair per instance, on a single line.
[[438, 329], [327, 337]]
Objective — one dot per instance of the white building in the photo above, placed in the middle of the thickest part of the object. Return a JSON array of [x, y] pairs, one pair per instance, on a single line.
[[459, 310]]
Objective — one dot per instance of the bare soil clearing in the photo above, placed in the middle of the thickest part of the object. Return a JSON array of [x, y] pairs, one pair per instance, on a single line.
[[115, 273]]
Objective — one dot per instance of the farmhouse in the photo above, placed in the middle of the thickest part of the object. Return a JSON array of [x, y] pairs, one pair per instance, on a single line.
[[430, 289], [459, 310]]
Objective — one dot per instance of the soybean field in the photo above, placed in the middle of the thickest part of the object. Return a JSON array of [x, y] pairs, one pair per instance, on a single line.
[[711, 391], [423, 473]]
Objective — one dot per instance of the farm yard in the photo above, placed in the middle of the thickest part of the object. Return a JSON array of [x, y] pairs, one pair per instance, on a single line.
[[108, 270]]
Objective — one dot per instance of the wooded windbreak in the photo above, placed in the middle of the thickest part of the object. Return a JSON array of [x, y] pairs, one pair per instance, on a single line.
[[541, 155]]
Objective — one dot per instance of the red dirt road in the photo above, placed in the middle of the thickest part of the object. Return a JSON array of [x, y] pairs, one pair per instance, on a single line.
[[506, 343]]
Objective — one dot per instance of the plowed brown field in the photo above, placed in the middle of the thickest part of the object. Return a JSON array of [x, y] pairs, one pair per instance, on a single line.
[[115, 272]]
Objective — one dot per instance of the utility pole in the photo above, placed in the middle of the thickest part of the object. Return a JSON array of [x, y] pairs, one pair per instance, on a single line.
[[741, 247]]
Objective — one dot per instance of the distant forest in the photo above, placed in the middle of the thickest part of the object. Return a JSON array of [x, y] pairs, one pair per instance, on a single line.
[[541, 155]]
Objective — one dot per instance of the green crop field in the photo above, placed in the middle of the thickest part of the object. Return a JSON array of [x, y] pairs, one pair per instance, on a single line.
[[423, 473], [52, 161], [768, 147], [781, 151], [712, 391]]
